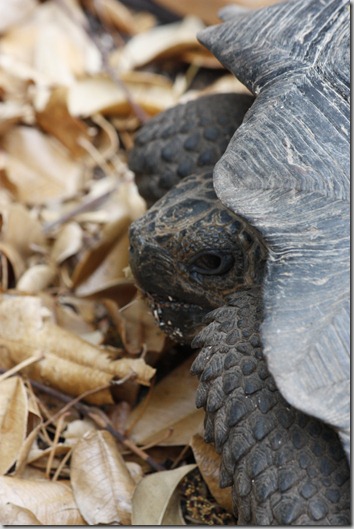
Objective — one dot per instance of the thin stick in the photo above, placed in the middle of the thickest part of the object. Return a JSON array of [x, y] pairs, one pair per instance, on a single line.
[[99, 418], [138, 111]]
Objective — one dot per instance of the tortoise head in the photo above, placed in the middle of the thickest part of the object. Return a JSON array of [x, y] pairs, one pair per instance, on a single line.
[[189, 254]]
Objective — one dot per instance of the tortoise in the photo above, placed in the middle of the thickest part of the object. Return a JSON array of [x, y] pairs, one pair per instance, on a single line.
[[249, 260]]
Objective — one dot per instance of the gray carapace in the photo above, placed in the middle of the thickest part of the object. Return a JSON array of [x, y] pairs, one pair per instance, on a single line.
[[287, 170]]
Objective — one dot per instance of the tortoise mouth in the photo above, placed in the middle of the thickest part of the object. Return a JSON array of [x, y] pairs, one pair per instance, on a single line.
[[179, 320]]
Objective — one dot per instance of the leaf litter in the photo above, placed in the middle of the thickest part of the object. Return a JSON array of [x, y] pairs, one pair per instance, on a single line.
[[98, 423]]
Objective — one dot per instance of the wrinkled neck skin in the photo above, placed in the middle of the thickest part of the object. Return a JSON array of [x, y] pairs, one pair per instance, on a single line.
[[190, 255]]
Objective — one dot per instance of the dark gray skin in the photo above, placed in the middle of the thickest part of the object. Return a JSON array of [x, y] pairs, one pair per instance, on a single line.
[[190, 256], [184, 278]]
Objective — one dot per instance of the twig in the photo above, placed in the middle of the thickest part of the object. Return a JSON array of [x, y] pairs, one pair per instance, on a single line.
[[97, 416], [25, 363], [139, 112]]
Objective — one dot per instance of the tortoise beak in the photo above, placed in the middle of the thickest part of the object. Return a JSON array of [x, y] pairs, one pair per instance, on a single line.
[[149, 263], [155, 274]]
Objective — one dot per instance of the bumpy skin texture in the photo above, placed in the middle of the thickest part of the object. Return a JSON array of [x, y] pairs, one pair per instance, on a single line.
[[287, 171], [285, 467], [195, 135]]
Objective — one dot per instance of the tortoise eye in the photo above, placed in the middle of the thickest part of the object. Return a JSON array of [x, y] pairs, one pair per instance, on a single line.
[[212, 263]]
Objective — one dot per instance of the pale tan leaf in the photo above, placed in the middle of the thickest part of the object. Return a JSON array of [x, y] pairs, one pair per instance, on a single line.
[[161, 41], [138, 328], [12, 112], [52, 503], [135, 471], [14, 12], [36, 278], [171, 406], [70, 317], [69, 363], [209, 462], [53, 43], [13, 420], [226, 83], [12, 514], [115, 14], [21, 230], [68, 242], [102, 484], [155, 501], [76, 430], [14, 259], [99, 94], [39, 168]]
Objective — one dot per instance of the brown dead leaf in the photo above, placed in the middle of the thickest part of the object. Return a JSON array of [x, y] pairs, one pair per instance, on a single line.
[[55, 119], [209, 461], [170, 407], [102, 484], [52, 503], [69, 363], [156, 498], [208, 10], [114, 236], [13, 420]]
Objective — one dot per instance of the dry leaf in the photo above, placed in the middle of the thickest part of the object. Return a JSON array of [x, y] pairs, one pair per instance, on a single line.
[[138, 328], [38, 167], [113, 235], [209, 461], [102, 484], [12, 112], [114, 13], [76, 430], [171, 406], [151, 92], [56, 120], [13, 420], [159, 42], [52, 503], [53, 43], [14, 12], [36, 278], [155, 500], [12, 514], [68, 242], [69, 363], [21, 230], [208, 10]]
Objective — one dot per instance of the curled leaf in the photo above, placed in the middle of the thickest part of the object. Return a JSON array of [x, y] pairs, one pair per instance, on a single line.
[[155, 500], [102, 484], [13, 420]]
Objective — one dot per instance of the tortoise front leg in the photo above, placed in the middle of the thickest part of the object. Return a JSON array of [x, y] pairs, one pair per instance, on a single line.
[[286, 467]]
